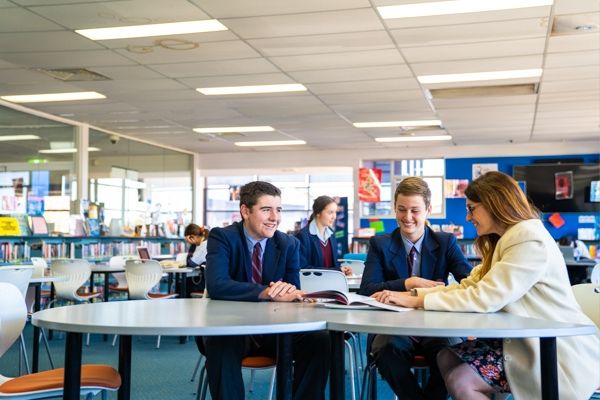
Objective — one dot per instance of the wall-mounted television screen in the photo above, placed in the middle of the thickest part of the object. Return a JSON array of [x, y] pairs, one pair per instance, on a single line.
[[595, 192], [560, 187]]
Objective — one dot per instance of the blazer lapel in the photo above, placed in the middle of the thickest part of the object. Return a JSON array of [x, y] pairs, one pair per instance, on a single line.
[[429, 255], [398, 254], [247, 255], [270, 261]]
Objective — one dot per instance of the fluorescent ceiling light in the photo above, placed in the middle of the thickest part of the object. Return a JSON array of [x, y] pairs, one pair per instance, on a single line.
[[395, 124], [270, 143], [227, 129], [14, 138], [413, 138], [290, 87], [481, 76], [134, 31], [38, 98], [65, 151], [455, 7]]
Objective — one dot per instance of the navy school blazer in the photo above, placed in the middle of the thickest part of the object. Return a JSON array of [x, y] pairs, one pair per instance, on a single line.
[[386, 266], [311, 255], [229, 263]]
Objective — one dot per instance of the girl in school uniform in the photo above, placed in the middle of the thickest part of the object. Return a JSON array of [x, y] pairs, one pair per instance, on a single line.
[[522, 273], [318, 246]]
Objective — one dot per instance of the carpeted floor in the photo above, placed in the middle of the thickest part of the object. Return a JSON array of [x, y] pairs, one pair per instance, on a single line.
[[156, 373]]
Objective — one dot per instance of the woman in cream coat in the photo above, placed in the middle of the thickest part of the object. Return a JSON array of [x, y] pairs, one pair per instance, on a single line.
[[523, 273]]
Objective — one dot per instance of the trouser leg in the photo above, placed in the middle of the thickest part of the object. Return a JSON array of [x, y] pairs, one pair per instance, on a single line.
[[312, 355], [224, 366], [393, 357]]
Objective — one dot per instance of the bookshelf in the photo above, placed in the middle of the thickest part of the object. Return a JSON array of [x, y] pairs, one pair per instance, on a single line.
[[20, 249]]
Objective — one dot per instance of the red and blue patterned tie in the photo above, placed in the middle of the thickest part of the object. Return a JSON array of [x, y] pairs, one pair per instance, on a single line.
[[256, 264]]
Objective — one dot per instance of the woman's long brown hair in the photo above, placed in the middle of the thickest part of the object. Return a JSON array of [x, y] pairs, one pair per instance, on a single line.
[[507, 204]]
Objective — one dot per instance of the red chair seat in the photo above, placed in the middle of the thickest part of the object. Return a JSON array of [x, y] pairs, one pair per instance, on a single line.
[[157, 296], [258, 362]]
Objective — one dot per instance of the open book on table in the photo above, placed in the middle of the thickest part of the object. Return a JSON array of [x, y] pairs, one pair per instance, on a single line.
[[338, 299]]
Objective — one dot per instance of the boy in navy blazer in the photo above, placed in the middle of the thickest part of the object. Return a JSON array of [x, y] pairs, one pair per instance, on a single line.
[[412, 256], [252, 261]]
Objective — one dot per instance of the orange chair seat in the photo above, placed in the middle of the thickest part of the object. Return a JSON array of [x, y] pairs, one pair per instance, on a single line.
[[92, 376], [156, 296], [258, 362], [419, 361], [118, 288]]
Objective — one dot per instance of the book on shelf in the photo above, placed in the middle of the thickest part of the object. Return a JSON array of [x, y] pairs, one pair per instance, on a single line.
[[339, 299]]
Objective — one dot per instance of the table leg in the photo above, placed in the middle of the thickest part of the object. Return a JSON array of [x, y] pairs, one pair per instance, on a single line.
[[548, 362], [52, 294], [106, 293], [285, 376], [125, 366], [336, 376], [35, 358], [72, 366]]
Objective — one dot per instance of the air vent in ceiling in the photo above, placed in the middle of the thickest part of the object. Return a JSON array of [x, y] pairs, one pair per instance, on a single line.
[[74, 74], [483, 91]]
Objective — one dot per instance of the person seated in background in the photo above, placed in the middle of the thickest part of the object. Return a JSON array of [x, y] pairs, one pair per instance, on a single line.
[[522, 273], [318, 246], [411, 256], [196, 237], [580, 250], [252, 261]]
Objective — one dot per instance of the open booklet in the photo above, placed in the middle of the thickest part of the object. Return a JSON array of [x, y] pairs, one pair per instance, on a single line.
[[338, 299]]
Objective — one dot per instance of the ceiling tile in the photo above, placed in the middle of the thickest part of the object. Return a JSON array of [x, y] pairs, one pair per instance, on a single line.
[[318, 44], [21, 20], [338, 60], [468, 33], [216, 68], [364, 86], [120, 13], [249, 8], [44, 41], [352, 74], [67, 59], [204, 52], [299, 24]]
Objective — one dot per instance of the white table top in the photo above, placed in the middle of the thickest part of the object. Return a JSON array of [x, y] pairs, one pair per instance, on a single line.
[[100, 268], [46, 279], [213, 317], [180, 317]]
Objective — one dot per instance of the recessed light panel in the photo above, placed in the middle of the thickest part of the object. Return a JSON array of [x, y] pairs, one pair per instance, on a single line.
[[135, 31]]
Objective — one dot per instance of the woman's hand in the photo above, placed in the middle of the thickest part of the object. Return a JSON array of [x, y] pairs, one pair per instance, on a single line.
[[403, 299]]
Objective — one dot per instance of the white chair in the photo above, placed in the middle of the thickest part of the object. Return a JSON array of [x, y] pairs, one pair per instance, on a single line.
[[19, 276], [358, 266], [588, 297], [13, 314], [119, 262], [595, 275], [74, 273], [142, 277], [314, 280]]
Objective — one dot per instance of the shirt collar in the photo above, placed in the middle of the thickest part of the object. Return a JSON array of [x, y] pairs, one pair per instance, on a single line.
[[314, 230], [409, 245], [250, 241]]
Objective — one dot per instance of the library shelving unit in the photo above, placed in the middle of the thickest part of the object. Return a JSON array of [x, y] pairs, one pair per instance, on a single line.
[[20, 249]]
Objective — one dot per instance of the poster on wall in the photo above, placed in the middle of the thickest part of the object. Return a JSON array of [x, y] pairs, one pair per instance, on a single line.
[[455, 188], [369, 185], [341, 226], [480, 169], [563, 185]]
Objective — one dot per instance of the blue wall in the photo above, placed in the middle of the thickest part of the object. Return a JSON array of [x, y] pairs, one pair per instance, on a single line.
[[461, 168]]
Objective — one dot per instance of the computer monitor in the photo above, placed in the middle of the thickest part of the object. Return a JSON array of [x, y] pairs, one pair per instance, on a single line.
[[143, 253], [568, 253]]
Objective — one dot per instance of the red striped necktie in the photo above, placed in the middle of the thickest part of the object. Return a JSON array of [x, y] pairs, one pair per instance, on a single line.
[[256, 264], [411, 260]]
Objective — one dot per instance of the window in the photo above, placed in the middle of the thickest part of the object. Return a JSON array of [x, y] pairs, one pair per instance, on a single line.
[[393, 171], [298, 192]]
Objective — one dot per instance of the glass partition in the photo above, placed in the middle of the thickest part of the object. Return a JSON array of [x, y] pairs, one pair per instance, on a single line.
[[142, 188], [37, 171]]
